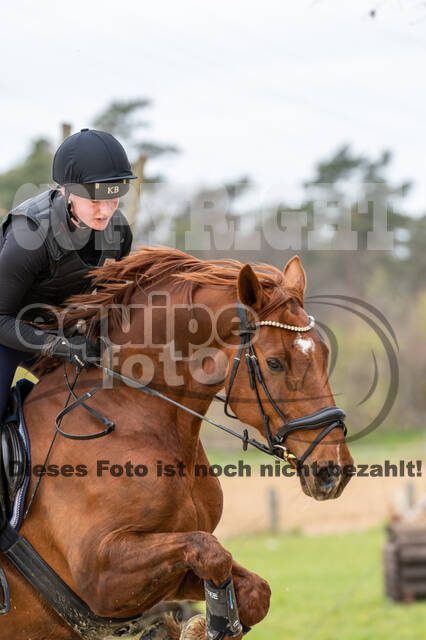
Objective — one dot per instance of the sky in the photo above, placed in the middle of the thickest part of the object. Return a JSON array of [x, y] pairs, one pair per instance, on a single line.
[[242, 88]]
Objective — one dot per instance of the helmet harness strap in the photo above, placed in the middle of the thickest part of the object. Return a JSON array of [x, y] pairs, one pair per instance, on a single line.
[[75, 219]]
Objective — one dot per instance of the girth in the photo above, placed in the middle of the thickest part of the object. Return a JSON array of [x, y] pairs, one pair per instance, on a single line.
[[60, 597]]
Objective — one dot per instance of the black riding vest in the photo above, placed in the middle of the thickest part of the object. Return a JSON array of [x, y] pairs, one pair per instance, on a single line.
[[67, 271]]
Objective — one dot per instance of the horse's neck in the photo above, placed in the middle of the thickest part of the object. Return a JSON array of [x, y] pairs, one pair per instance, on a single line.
[[162, 370]]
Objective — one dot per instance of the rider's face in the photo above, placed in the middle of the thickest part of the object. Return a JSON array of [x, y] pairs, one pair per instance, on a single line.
[[95, 213]]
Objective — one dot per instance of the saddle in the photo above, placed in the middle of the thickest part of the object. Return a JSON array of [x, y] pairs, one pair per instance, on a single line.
[[13, 459], [14, 470]]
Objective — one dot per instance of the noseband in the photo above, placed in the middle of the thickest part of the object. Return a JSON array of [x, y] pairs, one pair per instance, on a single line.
[[329, 418]]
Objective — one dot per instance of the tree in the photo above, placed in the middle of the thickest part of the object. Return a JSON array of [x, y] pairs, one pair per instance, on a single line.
[[119, 118], [355, 191], [205, 208], [122, 120], [31, 174]]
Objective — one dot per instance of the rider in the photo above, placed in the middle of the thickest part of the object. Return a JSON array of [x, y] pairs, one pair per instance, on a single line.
[[50, 242]]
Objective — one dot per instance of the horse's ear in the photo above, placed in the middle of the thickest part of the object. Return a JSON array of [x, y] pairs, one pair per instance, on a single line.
[[295, 276], [250, 291]]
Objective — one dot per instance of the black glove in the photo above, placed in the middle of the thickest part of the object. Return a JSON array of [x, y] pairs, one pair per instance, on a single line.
[[78, 350]]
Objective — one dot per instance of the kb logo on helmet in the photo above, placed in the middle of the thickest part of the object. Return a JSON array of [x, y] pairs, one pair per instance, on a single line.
[[115, 189]]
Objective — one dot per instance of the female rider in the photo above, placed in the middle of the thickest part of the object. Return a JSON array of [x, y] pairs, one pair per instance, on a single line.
[[50, 242]]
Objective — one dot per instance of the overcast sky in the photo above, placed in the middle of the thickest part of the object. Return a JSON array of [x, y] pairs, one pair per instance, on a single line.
[[263, 88]]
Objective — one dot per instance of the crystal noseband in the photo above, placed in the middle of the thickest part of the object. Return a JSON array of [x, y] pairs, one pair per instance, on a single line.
[[288, 327]]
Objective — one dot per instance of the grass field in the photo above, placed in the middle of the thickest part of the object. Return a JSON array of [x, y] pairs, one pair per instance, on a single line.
[[372, 449], [327, 588]]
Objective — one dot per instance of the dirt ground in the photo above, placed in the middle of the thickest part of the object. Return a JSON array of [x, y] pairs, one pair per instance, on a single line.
[[365, 502]]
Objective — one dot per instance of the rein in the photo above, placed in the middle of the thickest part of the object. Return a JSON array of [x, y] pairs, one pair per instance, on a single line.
[[329, 417]]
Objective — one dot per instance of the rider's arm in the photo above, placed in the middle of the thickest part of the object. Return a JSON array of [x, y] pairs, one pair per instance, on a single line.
[[23, 256]]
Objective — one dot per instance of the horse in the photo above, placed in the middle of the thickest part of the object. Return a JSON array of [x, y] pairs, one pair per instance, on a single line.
[[125, 520]]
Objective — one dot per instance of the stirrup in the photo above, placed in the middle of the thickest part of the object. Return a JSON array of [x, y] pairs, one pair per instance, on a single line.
[[5, 606]]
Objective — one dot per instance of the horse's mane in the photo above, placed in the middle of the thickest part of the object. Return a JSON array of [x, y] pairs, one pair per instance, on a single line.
[[115, 283]]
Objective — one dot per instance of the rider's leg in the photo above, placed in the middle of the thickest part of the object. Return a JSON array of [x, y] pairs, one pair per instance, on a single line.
[[9, 361]]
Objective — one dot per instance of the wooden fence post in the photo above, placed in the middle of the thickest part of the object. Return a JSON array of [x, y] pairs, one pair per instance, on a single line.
[[132, 209], [273, 511], [65, 131]]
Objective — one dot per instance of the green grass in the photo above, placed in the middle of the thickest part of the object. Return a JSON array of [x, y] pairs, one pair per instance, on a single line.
[[327, 588], [373, 449], [391, 445]]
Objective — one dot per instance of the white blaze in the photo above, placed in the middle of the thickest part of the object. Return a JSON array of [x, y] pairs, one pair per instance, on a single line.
[[304, 344]]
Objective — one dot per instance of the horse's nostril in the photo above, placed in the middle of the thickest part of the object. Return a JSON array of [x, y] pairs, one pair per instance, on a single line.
[[325, 478]]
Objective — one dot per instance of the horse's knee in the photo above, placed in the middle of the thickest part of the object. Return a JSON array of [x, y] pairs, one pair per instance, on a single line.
[[253, 595], [207, 558]]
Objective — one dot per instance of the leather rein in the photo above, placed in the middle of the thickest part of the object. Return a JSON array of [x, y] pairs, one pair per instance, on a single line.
[[329, 417]]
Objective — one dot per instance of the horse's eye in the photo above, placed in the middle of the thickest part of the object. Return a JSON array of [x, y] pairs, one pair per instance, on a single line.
[[275, 365]]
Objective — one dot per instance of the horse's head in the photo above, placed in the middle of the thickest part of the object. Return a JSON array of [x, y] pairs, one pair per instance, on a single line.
[[288, 368]]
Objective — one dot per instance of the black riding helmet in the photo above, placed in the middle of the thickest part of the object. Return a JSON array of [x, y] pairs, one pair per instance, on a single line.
[[92, 164]]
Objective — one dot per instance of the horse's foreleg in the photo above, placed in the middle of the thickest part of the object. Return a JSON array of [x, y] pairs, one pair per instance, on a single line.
[[130, 572], [252, 593]]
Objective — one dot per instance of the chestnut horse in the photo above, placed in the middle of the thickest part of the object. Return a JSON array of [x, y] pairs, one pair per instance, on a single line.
[[125, 542]]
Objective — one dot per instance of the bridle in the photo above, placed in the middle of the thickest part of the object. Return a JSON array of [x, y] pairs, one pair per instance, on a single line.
[[329, 417]]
